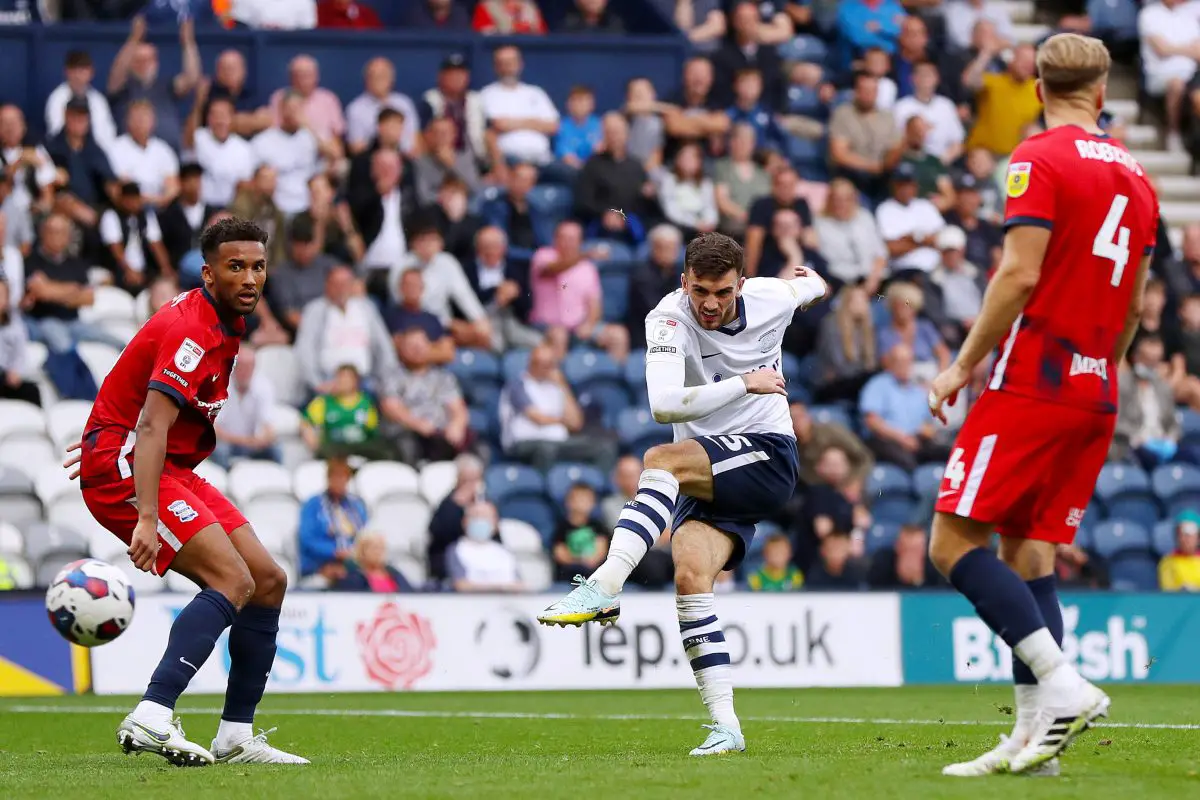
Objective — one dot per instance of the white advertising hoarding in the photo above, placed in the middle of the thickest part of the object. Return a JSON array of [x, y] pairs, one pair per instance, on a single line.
[[366, 642]]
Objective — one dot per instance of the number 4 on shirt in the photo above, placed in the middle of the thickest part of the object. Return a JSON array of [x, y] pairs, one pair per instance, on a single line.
[[1112, 241]]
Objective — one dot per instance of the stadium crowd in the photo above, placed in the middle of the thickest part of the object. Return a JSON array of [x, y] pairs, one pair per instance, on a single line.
[[459, 280]]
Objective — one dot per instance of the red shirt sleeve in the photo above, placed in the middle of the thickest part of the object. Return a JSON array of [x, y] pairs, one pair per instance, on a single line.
[[180, 366], [1029, 186]]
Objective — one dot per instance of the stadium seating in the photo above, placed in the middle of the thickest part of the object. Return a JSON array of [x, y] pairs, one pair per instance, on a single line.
[[1117, 538], [615, 286], [18, 417], [412, 568], [275, 518], [520, 537], [278, 363], [535, 571], [561, 477], [504, 481], [638, 432], [65, 421], [252, 479], [889, 494], [18, 503], [377, 480], [405, 535], [437, 480], [12, 541], [927, 479], [514, 364], [831, 414], [1163, 538], [100, 359], [215, 474], [603, 402], [1178, 487], [1125, 492], [881, 536], [52, 484], [22, 573], [533, 509]]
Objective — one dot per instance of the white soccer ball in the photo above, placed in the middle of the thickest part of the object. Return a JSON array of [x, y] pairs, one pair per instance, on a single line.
[[90, 602]]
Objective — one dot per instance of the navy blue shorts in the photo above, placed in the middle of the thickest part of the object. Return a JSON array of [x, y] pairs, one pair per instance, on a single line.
[[754, 475]]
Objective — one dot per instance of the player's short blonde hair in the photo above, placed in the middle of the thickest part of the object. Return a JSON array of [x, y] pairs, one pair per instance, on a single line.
[[1068, 63]]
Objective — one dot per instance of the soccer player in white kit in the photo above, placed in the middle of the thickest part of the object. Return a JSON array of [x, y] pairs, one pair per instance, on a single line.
[[713, 371]]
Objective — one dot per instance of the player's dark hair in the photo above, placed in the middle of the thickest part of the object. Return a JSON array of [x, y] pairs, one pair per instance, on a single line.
[[712, 255], [230, 229]]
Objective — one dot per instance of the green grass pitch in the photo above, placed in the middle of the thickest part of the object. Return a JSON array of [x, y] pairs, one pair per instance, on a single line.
[[816, 743]]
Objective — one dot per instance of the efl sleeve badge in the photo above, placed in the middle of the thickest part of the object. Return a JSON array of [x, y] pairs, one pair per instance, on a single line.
[[1019, 174]]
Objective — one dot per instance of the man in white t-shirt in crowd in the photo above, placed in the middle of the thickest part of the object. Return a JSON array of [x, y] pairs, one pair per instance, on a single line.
[[227, 159], [909, 226], [343, 327], [1170, 34], [478, 562], [446, 286], [141, 157], [30, 168], [946, 133], [295, 153], [521, 117], [134, 240], [276, 15], [379, 92], [243, 427], [80, 73]]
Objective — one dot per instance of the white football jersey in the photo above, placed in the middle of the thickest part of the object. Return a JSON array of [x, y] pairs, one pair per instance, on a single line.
[[752, 341]]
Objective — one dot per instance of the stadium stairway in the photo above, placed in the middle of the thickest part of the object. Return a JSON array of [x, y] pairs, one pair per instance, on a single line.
[[1179, 190]]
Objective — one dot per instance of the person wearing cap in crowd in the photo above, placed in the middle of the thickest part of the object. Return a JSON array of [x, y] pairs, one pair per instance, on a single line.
[[379, 92], [909, 225], [79, 73], [984, 238], [1180, 571], [961, 297], [452, 97]]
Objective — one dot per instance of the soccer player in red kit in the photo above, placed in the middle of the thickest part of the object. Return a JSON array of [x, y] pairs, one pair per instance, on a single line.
[[151, 424], [1081, 221]]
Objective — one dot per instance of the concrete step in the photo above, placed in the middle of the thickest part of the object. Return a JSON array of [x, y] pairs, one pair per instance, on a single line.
[[1178, 188], [1029, 32], [1125, 108], [1160, 162], [1175, 235], [1122, 86], [1020, 10], [1179, 214], [1143, 136]]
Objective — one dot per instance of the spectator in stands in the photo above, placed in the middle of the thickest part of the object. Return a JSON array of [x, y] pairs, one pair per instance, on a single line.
[[322, 110], [838, 567], [905, 565], [702, 21], [850, 240], [295, 152], [80, 72], [1189, 334], [243, 427], [777, 573], [446, 525], [905, 301], [229, 83], [540, 419], [963, 16], [748, 108], [379, 92], [14, 346], [653, 279], [878, 64], [815, 438], [909, 225], [984, 239], [443, 15], [332, 221], [746, 48], [1170, 34], [863, 24], [521, 117], [981, 165], [134, 76], [913, 47], [763, 214], [226, 158], [329, 524], [408, 313], [656, 569], [423, 404], [1077, 568], [341, 328], [513, 212], [379, 214], [28, 167], [507, 17], [1006, 101], [255, 200], [446, 286], [18, 227], [441, 160], [502, 286], [345, 421], [696, 113], [832, 505], [455, 220], [162, 291], [130, 232], [579, 543], [785, 244], [89, 179], [643, 112], [143, 158], [12, 266], [301, 277], [1180, 570], [896, 414], [946, 134], [389, 131], [579, 134], [846, 345], [272, 15], [347, 14], [957, 281], [687, 195], [478, 562], [740, 181], [567, 298], [369, 570], [864, 143], [932, 176], [611, 190], [453, 98], [592, 17], [1147, 426]]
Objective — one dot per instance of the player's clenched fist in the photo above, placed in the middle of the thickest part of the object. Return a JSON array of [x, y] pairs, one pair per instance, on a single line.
[[143, 546], [764, 381]]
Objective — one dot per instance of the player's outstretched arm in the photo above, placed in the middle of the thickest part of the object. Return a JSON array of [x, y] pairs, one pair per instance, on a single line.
[[1133, 317], [806, 285], [672, 402], [158, 415]]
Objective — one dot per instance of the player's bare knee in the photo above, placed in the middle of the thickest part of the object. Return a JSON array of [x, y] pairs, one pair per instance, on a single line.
[[236, 583], [689, 579], [270, 585], [661, 456]]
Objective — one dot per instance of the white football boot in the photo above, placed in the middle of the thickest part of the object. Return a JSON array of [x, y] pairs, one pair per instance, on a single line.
[[171, 743], [1069, 705], [722, 739], [996, 761], [255, 750]]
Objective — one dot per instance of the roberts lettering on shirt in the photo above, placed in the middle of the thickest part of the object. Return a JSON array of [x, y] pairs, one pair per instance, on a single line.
[[1103, 151]]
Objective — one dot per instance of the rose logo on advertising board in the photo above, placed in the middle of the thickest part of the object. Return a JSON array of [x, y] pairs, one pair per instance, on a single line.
[[396, 647]]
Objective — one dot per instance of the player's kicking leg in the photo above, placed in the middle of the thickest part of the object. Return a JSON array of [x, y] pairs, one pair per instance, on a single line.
[[251, 654], [209, 559], [700, 552], [670, 469], [1068, 704]]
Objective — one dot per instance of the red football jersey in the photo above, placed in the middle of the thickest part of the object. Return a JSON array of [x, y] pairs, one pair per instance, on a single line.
[[186, 352], [1102, 212]]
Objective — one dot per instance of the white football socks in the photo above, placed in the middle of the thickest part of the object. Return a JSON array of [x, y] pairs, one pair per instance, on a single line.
[[642, 521], [704, 644], [1041, 654], [230, 734], [154, 716]]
